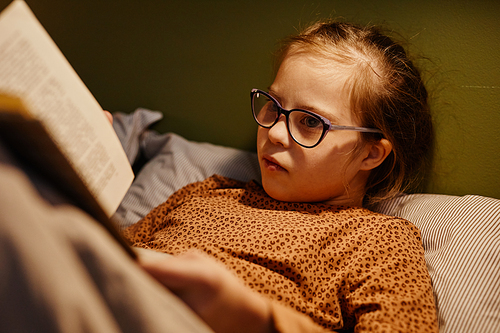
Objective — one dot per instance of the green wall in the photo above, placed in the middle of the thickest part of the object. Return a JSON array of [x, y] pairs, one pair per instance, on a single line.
[[196, 61]]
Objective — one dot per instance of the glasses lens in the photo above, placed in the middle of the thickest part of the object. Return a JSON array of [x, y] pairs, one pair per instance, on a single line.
[[264, 109], [306, 128]]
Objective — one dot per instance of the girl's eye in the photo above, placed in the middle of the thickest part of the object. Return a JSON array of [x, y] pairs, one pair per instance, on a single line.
[[311, 122], [274, 107]]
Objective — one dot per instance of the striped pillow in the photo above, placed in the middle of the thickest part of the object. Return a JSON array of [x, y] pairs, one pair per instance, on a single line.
[[173, 162], [461, 237]]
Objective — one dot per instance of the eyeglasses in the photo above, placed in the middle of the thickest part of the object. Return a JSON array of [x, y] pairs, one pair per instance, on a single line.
[[306, 128]]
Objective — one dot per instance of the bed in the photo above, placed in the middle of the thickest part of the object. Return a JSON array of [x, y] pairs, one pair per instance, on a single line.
[[460, 234]]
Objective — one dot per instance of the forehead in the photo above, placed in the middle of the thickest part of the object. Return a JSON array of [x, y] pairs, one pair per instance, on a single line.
[[312, 82]]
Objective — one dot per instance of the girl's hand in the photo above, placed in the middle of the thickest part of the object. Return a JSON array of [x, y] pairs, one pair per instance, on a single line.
[[109, 116], [212, 291]]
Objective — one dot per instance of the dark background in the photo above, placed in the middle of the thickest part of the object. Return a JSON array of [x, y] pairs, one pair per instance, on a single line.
[[196, 61]]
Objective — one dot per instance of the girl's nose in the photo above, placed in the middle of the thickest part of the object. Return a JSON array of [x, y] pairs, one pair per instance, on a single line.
[[278, 134]]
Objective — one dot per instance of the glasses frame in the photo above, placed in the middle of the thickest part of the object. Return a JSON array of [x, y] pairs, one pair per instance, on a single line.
[[327, 125]]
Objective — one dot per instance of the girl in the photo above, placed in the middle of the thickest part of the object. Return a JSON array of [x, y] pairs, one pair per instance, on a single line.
[[344, 125]]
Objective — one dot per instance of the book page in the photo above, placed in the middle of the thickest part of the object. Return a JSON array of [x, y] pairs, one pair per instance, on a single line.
[[33, 68]]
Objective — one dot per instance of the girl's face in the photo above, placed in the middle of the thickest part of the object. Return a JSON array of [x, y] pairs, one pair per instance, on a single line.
[[324, 173]]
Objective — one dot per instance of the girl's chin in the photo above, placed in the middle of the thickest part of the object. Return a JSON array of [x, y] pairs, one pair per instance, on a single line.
[[275, 191]]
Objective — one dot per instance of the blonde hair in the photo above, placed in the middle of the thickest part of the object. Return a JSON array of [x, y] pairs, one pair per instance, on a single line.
[[386, 92]]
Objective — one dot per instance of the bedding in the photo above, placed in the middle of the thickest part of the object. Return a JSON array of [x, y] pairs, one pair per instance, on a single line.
[[461, 235], [173, 162]]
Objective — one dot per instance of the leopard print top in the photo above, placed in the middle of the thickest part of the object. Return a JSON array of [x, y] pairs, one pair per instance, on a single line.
[[343, 267]]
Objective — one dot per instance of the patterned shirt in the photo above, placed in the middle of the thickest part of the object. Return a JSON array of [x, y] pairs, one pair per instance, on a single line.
[[321, 267]]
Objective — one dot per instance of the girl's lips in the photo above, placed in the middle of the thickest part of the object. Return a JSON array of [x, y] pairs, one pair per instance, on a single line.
[[272, 165]]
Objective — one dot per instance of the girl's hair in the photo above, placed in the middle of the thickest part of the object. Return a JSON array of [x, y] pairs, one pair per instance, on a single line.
[[386, 92]]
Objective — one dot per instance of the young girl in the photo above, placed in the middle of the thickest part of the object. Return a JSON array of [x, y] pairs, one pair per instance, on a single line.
[[344, 125]]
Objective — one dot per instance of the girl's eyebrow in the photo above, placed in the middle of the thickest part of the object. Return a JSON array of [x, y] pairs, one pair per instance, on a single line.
[[333, 119]]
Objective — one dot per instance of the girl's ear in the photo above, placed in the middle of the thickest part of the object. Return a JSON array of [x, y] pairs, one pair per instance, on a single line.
[[377, 153]]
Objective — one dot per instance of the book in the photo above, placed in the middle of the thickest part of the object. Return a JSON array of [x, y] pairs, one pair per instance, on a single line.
[[51, 121]]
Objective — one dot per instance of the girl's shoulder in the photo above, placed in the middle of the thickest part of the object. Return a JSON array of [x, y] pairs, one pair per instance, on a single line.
[[210, 185], [214, 182], [381, 224]]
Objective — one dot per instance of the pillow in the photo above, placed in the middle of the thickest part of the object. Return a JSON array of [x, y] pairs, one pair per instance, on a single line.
[[460, 235], [461, 238], [172, 162]]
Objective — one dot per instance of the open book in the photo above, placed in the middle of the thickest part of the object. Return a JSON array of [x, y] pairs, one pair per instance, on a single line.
[[50, 120]]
